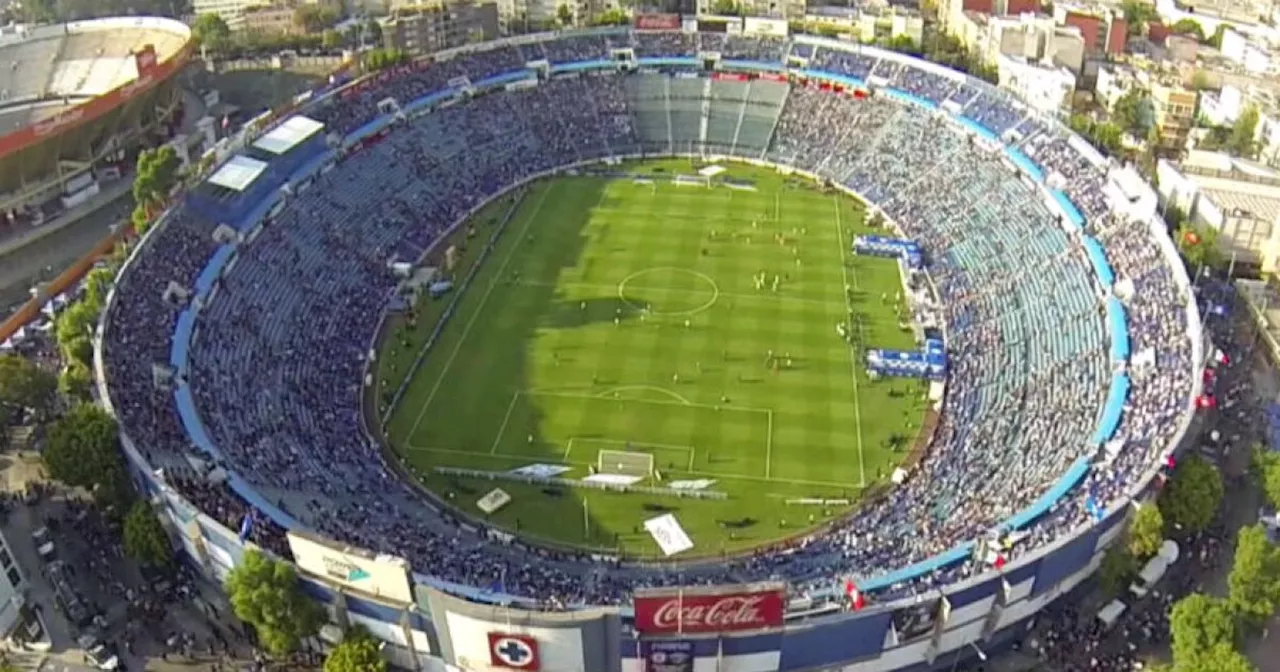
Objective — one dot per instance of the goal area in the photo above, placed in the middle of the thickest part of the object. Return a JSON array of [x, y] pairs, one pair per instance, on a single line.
[[624, 462]]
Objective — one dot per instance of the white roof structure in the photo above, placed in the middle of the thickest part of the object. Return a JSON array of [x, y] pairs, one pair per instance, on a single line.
[[238, 173], [288, 134]]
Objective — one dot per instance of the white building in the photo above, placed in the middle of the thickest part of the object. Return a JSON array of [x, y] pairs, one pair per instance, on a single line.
[[1255, 58], [1115, 80], [1045, 88], [1237, 198], [12, 587]]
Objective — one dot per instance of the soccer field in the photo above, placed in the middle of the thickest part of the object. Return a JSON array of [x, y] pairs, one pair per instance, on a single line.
[[693, 323]]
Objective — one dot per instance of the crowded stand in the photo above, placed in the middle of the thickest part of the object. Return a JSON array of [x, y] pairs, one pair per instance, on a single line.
[[275, 368]]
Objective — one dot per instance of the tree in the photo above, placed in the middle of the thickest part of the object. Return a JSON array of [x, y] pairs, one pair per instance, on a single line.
[[155, 177], [1215, 40], [264, 593], [76, 382], [25, 385], [1108, 137], [331, 39], [373, 32], [1200, 81], [1200, 623], [358, 652], [314, 18], [1191, 499], [1242, 141], [144, 537], [83, 451], [1133, 112], [1254, 583], [725, 8], [1189, 27], [1266, 467], [564, 15], [1221, 658], [76, 322], [377, 59], [1117, 570], [1138, 15], [612, 17], [212, 32], [1146, 533], [1198, 245]]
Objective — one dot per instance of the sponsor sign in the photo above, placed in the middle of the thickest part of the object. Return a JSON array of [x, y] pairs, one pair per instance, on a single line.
[[656, 22], [667, 656], [765, 27], [27, 136], [514, 652], [384, 576], [714, 609]]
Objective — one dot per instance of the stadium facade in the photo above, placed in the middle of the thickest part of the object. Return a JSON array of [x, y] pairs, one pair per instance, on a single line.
[[77, 99], [430, 623]]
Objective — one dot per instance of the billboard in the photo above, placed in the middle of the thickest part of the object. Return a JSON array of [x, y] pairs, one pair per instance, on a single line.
[[493, 644], [384, 576], [765, 27], [656, 22], [709, 609], [667, 656]]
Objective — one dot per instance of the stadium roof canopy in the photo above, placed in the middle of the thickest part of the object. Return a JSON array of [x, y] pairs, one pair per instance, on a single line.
[[288, 134], [238, 173]]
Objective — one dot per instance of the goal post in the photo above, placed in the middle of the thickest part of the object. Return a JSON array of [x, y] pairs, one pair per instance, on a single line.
[[624, 462]]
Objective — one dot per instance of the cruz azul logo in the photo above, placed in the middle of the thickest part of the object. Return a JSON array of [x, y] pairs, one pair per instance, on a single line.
[[717, 611], [516, 652], [342, 570]]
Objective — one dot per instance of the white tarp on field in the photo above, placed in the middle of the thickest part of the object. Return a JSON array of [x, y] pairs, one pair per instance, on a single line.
[[699, 484], [541, 470], [666, 531]]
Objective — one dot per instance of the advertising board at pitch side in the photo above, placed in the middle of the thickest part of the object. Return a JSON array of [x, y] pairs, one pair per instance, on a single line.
[[715, 609]]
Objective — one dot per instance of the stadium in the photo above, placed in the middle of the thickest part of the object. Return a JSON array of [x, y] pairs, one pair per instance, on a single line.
[[76, 101], [280, 385]]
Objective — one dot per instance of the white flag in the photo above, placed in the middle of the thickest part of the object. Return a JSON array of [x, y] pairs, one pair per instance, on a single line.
[[666, 530]]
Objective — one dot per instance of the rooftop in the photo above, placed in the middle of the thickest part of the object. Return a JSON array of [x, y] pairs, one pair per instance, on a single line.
[[238, 173], [288, 134]]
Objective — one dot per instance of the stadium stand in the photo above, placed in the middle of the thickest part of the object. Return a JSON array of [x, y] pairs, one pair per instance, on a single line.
[[269, 385]]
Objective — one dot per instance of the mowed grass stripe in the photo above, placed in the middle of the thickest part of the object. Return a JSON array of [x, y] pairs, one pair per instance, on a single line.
[[555, 355]]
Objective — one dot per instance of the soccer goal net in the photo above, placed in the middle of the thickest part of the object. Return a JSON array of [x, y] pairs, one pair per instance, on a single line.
[[624, 462]]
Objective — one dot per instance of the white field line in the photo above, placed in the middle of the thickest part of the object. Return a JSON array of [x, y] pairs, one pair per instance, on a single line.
[[493, 282], [853, 364]]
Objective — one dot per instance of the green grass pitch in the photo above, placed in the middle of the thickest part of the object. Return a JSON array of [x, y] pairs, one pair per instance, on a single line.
[[615, 314]]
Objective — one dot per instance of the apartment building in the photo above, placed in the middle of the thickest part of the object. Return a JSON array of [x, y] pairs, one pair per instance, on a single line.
[[1175, 107], [421, 29]]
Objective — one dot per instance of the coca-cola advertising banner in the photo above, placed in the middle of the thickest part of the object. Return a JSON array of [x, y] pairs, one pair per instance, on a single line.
[[710, 610]]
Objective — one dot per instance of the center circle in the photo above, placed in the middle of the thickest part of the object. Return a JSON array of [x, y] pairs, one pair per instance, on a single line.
[[670, 291]]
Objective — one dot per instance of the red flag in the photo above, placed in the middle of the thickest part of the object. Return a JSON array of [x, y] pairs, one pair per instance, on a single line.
[[859, 94], [856, 600], [999, 563], [1191, 238]]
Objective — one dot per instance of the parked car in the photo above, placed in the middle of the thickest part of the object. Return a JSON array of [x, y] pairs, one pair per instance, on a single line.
[[100, 655]]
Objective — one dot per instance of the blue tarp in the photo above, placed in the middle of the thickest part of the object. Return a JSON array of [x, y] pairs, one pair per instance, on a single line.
[[1074, 474], [1113, 409], [849, 82], [977, 128], [1068, 208], [1098, 257], [583, 65], [757, 66], [505, 78], [669, 61], [927, 566], [1119, 327], [1024, 163], [420, 103], [179, 350], [191, 422], [213, 269], [370, 129], [911, 98]]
